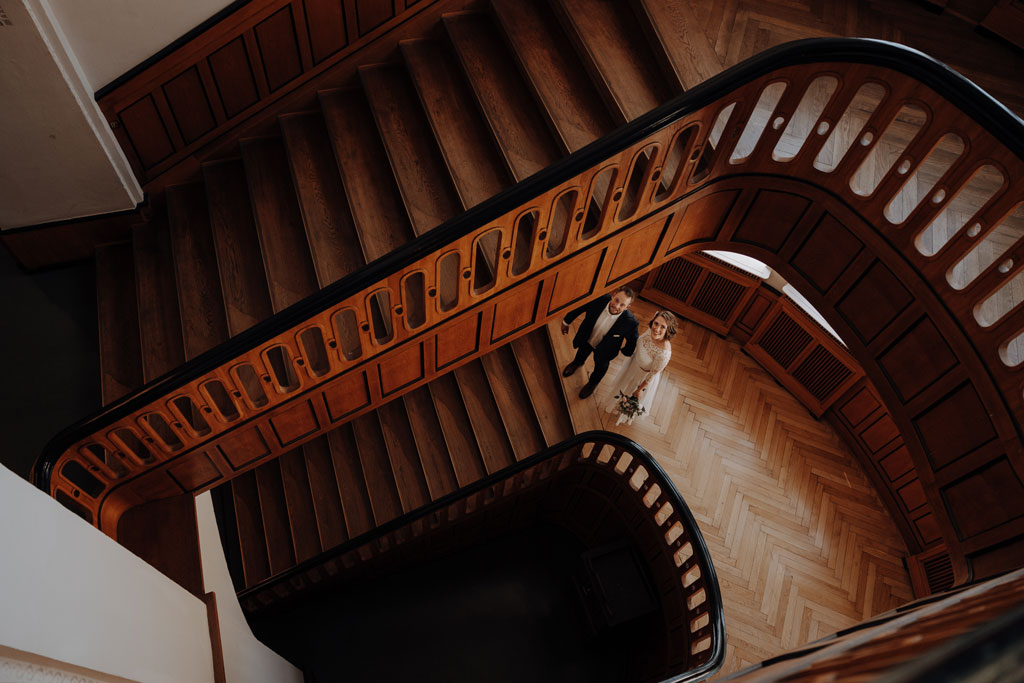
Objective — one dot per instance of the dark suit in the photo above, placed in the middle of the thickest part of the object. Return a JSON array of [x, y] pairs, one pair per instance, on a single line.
[[621, 336]]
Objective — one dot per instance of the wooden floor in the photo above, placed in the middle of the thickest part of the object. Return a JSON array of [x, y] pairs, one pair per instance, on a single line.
[[801, 543]]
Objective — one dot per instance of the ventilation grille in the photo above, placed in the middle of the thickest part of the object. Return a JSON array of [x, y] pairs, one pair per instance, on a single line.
[[938, 571], [676, 278], [821, 373], [718, 296], [784, 340]]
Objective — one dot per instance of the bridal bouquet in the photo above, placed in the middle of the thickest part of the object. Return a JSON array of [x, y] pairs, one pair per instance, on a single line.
[[629, 408]]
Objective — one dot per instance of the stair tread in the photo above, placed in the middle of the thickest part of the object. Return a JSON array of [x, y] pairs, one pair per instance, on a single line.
[[430, 442], [513, 402], [203, 320], [334, 244], [276, 530], [495, 447], [323, 485], [298, 496], [537, 363], [416, 162], [288, 264], [478, 171], [501, 93], [549, 64], [402, 452], [373, 456], [355, 499], [252, 544], [454, 420], [377, 210], [118, 322], [622, 67], [159, 318], [685, 48], [243, 282]]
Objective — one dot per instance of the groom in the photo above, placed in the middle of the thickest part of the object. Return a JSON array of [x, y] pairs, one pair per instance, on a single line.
[[607, 328]]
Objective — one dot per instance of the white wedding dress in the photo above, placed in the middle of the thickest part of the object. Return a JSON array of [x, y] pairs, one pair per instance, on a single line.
[[646, 363]]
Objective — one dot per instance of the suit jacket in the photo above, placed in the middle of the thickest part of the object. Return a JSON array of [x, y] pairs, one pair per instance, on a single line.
[[621, 336]]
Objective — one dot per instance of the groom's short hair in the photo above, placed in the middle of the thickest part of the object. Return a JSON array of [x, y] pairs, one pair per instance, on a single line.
[[625, 290]]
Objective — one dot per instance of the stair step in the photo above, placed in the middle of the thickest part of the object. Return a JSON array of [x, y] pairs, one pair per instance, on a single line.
[[380, 480], [289, 266], [323, 485], [430, 442], [332, 237], [686, 53], [251, 540], [513, 401], [502, 95], [299, 501], [243, 281], [558, 79], [610, 44], [478, 171], [159, 319], [355, 499], [275, 517], [203, 320], [416, 161], [377, 210], [118, 322], [495, 447], [536, 361], [402, 452], [467, 461]]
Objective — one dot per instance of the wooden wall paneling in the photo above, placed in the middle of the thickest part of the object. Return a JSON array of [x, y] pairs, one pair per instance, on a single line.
[[301, 28], [252, 51], [165, 534], [372, 13], [278, 42], [233, 73], [325, 27], [189, 104], [760, 302], [146, 132], [703, 218]]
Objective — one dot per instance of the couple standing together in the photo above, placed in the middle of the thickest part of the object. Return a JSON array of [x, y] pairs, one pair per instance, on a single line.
[[609, 327]]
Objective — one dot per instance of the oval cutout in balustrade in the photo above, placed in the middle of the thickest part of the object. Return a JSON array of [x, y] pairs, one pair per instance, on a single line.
[[984, 254], [998, 304], [898, 135], [379, 305], [192, 415], [448, 268], [108, 458], [964, 205], [637, 180], [805, 117], [757, 122], [346, 328], [82, 478], [163, 431], [675, 160], [415, 298], [314, 351], [74, 506], [486, 255], [599, 189], [708, 154], [1012, 352], [561, 219], [847, 130], [522, 255], [921, 182], [221, 400], [131, 442], [249, 380], [282, 370]]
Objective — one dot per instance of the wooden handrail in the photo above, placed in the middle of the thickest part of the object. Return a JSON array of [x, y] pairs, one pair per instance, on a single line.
[[397, 323]]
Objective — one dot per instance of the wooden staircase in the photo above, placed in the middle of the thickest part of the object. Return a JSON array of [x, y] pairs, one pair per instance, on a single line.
[[491, 97]]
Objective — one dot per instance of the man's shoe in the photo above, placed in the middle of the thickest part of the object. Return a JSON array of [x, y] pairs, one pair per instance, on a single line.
[[587, 390], [569, 369]]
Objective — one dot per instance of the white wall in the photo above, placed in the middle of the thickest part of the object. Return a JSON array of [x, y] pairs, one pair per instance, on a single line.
[[246, 660], [71, 594], [109, 38]]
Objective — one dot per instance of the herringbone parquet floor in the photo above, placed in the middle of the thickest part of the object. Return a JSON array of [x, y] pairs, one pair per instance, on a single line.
[[801, 542]]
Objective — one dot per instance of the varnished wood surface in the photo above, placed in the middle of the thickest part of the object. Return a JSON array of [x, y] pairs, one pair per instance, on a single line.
[[429, 439], [159, 317], [800, 541], [491, 435], [117, 313], [510, 395], [330, 518], [537, 364]]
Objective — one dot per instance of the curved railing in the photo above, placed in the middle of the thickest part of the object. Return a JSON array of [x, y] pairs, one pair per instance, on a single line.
[[664, 531], [769, 158]]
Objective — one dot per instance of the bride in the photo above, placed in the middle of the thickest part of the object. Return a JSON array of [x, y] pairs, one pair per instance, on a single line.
[[642, 373]]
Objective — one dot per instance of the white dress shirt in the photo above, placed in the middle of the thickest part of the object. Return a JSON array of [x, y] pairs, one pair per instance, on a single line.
[[601, 327]]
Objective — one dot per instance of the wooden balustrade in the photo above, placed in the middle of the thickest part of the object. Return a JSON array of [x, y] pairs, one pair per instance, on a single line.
[[570, 485], [936, 323]]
